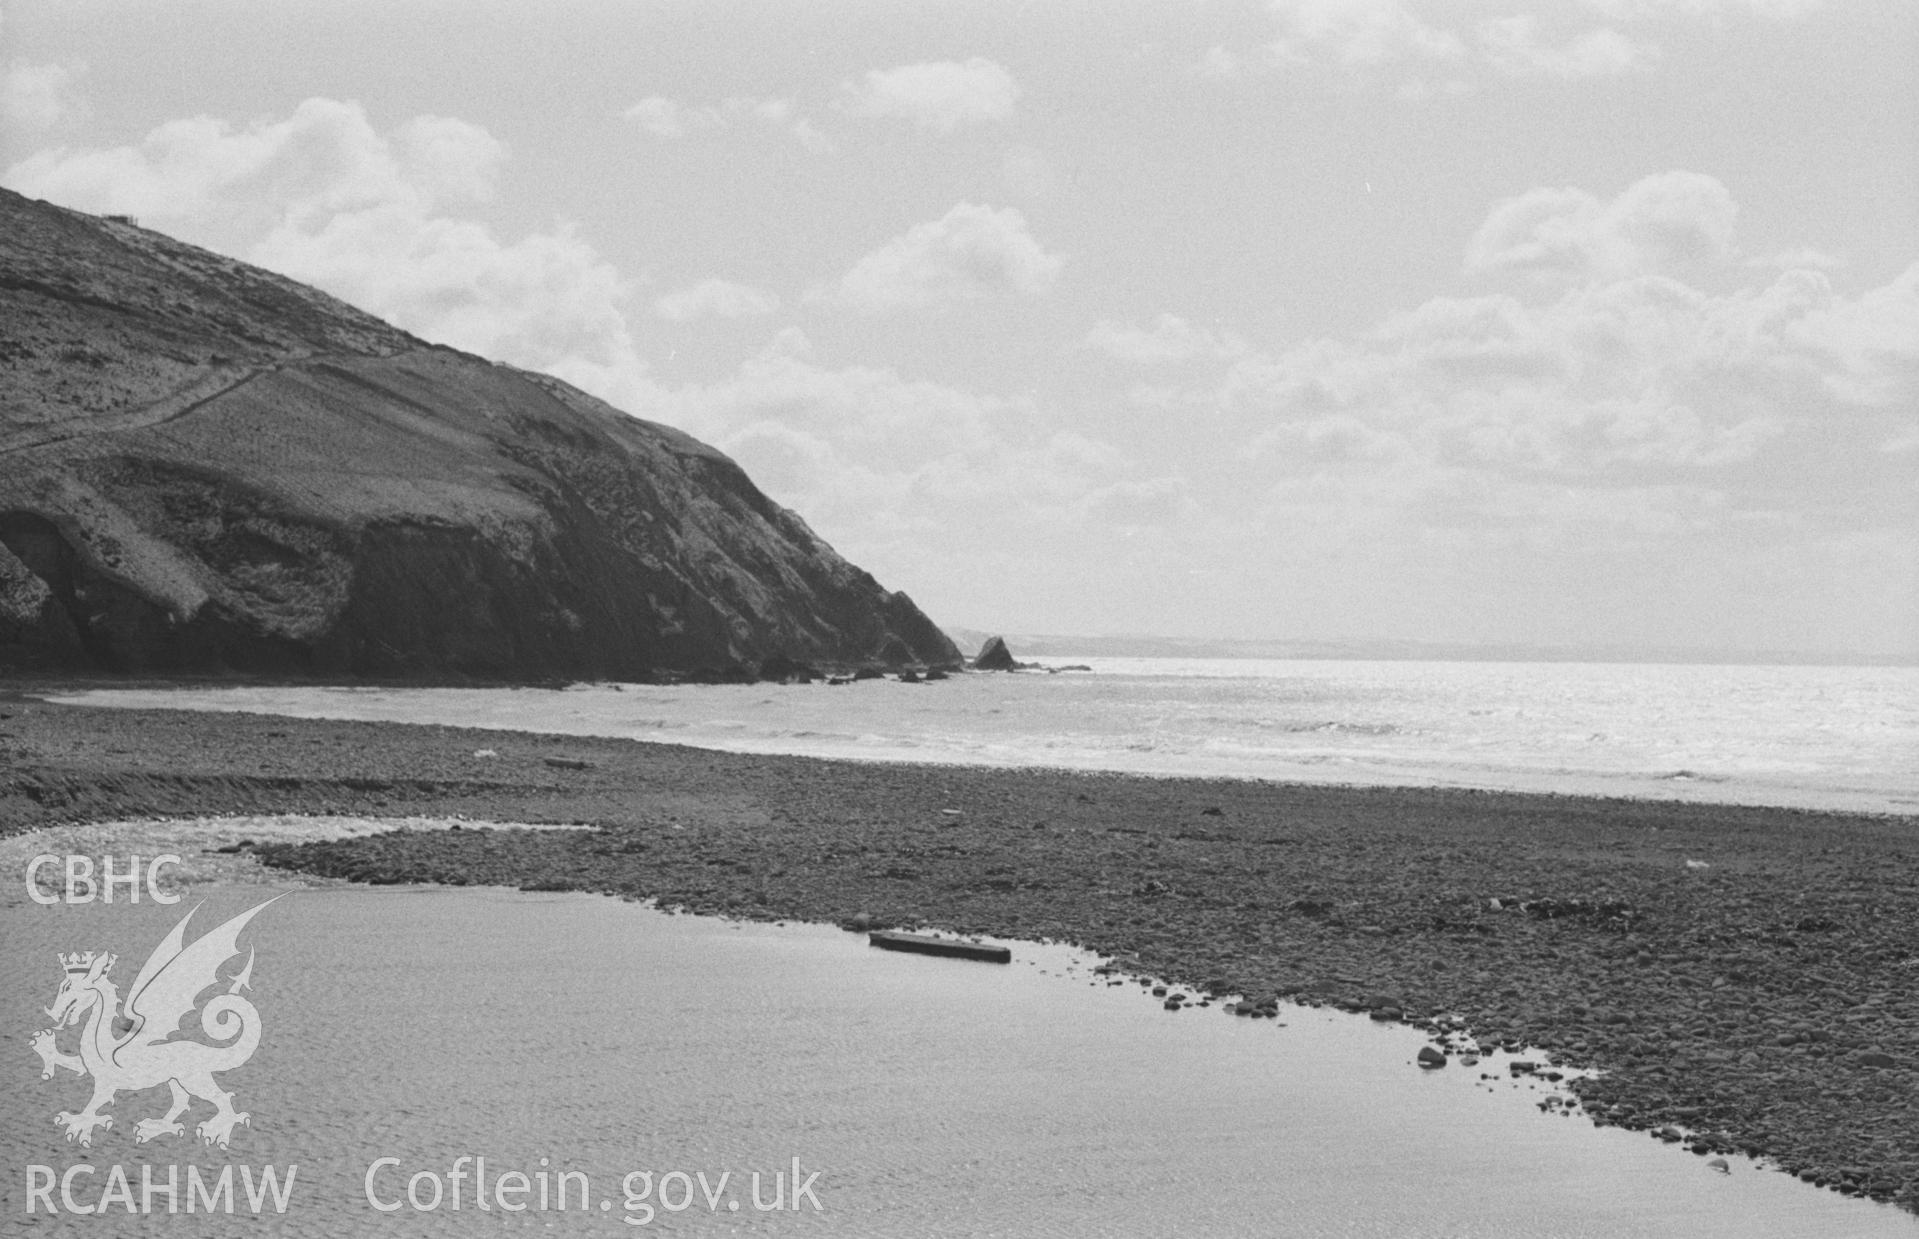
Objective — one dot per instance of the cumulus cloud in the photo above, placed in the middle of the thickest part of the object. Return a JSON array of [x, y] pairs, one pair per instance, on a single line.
[[1428, 51], [446, 160], [1513, 46], [323, 158], [537, 302], [1613, 378], [1170, 339], [968, 254], [1872, 342], [670, 119], [717, 299], [659, 116], [324, 197], [1644, 10], [34, 97], [1360, 33], [940, 95], [1669, 222]]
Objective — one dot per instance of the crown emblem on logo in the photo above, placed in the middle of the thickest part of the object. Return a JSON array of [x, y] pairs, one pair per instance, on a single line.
[[80, 961]]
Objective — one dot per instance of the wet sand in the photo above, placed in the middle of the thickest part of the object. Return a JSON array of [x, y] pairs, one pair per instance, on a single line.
[[1745, 977]]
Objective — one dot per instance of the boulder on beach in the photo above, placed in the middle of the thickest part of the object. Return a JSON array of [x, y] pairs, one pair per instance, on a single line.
[[994, 656]]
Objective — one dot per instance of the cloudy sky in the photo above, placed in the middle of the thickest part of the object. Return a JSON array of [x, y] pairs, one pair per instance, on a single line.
[[1594, 321]]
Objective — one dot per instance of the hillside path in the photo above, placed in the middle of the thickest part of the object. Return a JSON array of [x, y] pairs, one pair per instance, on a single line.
[[175, 404]]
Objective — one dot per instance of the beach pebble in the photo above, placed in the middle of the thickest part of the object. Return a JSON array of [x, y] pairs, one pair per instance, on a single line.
[[1430, 1058]]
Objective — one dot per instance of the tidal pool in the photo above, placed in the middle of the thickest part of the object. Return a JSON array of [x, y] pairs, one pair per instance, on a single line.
[[574, 1035]]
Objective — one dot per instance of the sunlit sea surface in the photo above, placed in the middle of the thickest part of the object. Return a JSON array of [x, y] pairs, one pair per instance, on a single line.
[[1812, 737], [574, 1033]]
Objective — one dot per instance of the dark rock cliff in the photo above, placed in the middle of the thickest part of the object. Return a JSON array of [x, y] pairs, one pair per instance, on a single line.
[[205, 467]]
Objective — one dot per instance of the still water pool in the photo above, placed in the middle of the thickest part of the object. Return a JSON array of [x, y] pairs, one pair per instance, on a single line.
[[557, 1034]]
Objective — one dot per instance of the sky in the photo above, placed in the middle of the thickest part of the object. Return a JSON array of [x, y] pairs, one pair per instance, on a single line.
[[1585, 323]]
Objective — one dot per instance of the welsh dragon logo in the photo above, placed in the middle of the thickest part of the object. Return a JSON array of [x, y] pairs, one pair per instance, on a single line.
[[138, 1050]]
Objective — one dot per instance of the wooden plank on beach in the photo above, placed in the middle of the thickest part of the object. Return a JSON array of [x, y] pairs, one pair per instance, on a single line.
[[926, 944]]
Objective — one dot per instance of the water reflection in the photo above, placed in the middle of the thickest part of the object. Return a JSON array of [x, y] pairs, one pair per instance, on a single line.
[[575, 1035]]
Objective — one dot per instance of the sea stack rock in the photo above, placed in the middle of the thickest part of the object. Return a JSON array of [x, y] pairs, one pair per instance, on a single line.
[[994, 656], [206, 467]]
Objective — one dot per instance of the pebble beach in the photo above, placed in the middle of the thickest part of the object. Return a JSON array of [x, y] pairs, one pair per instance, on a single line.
[[1736, 979]]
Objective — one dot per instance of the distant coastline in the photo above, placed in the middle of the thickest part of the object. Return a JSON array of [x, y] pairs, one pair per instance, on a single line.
[[1144, 645]]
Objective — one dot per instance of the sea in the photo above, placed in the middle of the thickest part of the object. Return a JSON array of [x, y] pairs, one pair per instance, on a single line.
[[1814, 737]]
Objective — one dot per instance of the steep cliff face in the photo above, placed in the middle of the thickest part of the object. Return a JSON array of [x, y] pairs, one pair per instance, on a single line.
[[206, 467]]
